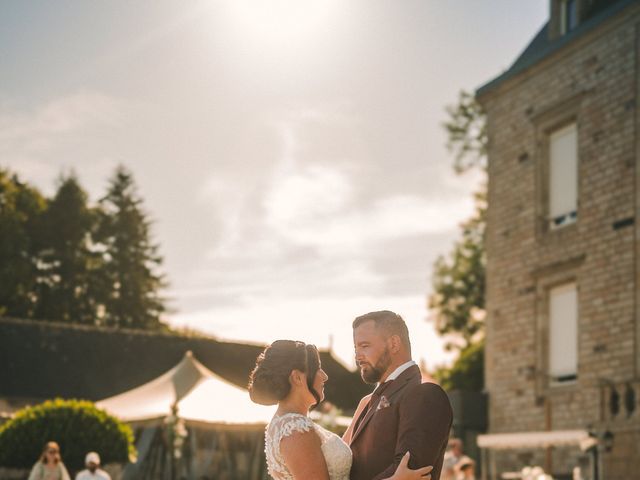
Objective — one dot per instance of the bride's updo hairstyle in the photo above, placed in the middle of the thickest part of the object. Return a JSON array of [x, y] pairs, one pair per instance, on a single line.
[[269, 380]]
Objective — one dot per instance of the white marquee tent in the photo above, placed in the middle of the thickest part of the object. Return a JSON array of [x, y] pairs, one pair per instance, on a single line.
[[200, 394]]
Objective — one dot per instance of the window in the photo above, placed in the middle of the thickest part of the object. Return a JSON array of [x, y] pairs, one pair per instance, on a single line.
[[563, 333], [568, 15], [563, 176]]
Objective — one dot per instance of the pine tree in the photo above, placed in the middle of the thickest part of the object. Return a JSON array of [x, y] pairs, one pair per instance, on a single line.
[[21, 208], [132, 280], [69, 258]]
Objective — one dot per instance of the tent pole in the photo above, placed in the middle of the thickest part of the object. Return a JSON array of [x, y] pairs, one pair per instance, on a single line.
[[485, 464], [494, 472]]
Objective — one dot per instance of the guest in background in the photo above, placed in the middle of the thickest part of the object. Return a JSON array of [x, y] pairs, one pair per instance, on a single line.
[[451, 458], [49, 466], [93, 471], [465, 469]]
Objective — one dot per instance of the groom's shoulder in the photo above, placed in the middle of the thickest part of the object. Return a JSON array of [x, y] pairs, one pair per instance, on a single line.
[[429, 392]]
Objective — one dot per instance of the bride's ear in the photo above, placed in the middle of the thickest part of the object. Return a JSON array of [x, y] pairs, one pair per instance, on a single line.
[[296, 377]]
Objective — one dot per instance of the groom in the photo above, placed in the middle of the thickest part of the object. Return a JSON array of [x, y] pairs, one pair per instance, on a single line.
[[402, 414]]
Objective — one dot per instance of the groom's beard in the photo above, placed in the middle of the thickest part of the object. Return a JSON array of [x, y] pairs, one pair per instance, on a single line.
[[373, 373]]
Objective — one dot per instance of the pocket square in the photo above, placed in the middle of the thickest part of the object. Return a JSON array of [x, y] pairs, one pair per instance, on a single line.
[[383, 403]]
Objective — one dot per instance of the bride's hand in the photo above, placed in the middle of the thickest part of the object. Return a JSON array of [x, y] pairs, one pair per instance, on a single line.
[[403, 472]]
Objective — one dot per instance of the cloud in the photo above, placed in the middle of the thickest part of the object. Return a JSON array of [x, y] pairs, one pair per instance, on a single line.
[[322, 205], [301, 199], [311, 208], [308, 227], [40, 141], [57, 117]]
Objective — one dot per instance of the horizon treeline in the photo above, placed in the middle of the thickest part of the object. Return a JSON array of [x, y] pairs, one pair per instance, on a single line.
[[65, 259]]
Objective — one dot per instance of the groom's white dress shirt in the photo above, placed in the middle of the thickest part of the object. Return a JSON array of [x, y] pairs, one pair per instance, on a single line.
[[396, 373]]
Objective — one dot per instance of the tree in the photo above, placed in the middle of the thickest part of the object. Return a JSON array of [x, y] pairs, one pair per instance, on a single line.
[[77, 425], [467, 131], [21, 209], [131, 275], [458, 298], [467, 372], [459, 283], [68, 292]]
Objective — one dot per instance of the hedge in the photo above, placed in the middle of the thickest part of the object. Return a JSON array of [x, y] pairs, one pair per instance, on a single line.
[[78, 426]]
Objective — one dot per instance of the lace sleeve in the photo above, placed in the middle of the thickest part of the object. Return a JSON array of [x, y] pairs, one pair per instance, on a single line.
[[291, 424], [283, 427]]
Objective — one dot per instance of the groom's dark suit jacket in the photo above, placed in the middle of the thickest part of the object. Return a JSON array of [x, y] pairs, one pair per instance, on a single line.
[[409, 416]]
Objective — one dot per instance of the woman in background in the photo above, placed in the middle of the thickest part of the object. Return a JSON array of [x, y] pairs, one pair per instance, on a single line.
[[49, 466]]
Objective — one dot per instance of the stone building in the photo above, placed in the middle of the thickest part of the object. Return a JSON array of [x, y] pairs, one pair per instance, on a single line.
[[563, 244]]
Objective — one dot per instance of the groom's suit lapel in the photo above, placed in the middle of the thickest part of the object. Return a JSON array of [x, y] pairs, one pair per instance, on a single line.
[[396, 386]]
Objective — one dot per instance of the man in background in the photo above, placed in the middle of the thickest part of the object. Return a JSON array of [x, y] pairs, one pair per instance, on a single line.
[[93, 471], [451, 458]]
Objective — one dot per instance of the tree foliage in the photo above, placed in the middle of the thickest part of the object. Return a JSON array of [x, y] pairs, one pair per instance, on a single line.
[[63, 259], [467, 133], [132, 260], [77, 426], [68, 257], [459, 282], [458, 297], [467, 372], [21, 210]]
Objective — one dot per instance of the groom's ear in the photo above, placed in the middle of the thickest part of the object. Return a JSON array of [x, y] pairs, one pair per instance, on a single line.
[[395, 343]]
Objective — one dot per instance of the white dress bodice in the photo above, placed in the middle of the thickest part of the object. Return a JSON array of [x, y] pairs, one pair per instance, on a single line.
[[336, 452]]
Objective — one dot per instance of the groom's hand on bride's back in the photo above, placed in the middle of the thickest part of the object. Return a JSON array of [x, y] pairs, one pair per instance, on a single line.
[[403, 472]]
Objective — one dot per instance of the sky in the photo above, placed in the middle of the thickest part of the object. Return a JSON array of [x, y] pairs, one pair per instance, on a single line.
[[290, 152]]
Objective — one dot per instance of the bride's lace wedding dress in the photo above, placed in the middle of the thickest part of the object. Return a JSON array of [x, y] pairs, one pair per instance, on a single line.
[[337, 454]]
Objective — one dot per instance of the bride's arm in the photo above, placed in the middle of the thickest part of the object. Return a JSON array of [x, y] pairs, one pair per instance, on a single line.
[[303, 456]]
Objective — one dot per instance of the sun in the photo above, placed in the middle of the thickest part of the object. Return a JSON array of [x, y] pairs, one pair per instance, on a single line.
[[282, 24]]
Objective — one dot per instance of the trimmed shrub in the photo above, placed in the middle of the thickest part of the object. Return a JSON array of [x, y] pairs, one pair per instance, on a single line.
[[77, 425]]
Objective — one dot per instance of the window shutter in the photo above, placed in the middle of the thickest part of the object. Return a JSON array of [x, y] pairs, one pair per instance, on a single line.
[[563, 332], [563, 184]]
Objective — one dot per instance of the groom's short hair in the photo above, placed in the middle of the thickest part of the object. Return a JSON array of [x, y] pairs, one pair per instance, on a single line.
[[388, 322]]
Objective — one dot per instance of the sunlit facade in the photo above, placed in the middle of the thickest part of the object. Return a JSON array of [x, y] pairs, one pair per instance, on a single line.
[[563, 336]]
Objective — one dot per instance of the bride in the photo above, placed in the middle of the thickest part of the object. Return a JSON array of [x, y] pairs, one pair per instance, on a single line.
[[289, 374]]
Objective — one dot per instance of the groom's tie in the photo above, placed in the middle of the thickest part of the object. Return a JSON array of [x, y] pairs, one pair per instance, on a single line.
[[373, 403], [377, 393]]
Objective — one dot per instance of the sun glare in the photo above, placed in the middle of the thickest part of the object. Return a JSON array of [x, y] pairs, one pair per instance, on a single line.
[[282, 23]]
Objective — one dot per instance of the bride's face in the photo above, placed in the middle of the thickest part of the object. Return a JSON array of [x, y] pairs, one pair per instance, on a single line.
[[319, 381]]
